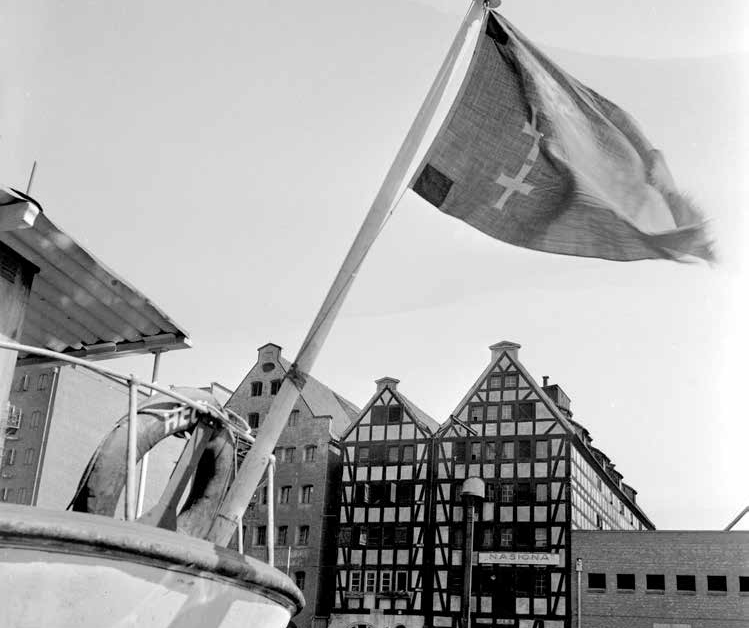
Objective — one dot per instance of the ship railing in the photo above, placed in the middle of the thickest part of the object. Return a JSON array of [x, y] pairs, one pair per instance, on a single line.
[[236, 425]]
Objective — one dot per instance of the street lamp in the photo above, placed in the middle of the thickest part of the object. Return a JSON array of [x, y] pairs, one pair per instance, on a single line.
[[472, 492]]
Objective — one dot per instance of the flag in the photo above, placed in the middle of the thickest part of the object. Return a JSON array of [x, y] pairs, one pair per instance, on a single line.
[[530, 156]]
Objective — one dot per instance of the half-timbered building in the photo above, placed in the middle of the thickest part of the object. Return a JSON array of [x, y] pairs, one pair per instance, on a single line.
[[403, 525], [542, 479], [383, 545]]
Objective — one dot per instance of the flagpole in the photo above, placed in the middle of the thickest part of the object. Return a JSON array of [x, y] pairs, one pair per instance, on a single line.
[[393, 187]]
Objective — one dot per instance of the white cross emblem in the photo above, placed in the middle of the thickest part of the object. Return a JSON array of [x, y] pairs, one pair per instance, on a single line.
[[517, 183]]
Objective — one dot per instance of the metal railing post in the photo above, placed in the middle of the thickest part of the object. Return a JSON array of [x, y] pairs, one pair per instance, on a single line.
[[271, 535], [144, 459], [131, 495]]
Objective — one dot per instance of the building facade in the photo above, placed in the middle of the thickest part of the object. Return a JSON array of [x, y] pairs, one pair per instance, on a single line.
[[664, 579], [384, 537], [57, 418], [306, 480], [542, 479]]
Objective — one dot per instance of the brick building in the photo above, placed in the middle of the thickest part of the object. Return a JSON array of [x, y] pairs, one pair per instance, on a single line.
[[664, 579], [543, 479], [58, 416], [308, 468]]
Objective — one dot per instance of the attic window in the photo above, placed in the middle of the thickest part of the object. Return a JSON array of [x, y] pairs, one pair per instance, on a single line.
[[268, 367], [511, 381]]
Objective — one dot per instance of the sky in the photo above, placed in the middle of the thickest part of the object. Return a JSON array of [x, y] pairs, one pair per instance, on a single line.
[[220, 157]]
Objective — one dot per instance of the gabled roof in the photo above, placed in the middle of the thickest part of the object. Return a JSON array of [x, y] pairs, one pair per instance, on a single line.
[[421, 418], [77, 305], [566, 423], [322, 401]]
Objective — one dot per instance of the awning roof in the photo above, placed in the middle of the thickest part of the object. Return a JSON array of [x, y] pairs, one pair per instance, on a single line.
[[77, 305]]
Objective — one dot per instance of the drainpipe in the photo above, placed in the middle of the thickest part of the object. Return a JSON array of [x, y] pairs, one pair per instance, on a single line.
[[579, 570]]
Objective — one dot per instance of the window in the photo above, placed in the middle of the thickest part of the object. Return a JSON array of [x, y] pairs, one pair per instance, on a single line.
[[293, 418], [278, 452], [361, 539], [363, 454], [625, 581], [309, 453], [491, 413], [283, 497], [388, 535], [268, 367], [281, 536], [395, 414], [275, 386], [490, 492], [490, 452], [507, 412], [253, 418], [361, 494], [686, 583], [460, 452], [487, 537], [354, 581], [542, 449], [599, 522], [540, 587], [541, 541], [256, 389], [404, 493], [374, 536], [542, 492], [655, 582], [303, 535], [476, 414], [475, 452], [305, 495], [527, 410], [401, 535], [386, 581], [596, 580], [299, 579], [508, 450], [524, 493], [511, 381], [264, 495], [401, 580], [393, 453], [505, 537], [10, 457], [408, 453], [21, 495], [43, 382], [495, 381], [289, 454], [23, 383], [743, 584], [522, 535], [36, 419], [507, 493], [717, 583], [6, 494], [28, 457], [260, 535], [524, 448], [370, 581]]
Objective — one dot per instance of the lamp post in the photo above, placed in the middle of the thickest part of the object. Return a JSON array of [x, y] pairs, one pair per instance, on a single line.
[[472, 493]]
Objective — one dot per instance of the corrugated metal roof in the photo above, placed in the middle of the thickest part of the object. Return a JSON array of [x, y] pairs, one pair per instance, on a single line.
[[77, 305]]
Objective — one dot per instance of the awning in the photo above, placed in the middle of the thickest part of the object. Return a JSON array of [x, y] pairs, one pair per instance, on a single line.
[[77, 305]]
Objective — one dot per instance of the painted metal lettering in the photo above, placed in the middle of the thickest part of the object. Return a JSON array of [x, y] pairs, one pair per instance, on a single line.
[[518, 558]]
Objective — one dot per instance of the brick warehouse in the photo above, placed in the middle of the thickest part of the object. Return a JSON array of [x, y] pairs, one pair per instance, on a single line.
[[307, 477], [665, 579], [543, 479]]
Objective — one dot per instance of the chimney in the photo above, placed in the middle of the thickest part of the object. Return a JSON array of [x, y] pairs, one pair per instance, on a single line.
[[546, 381], [389, 382], [504, 346]]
